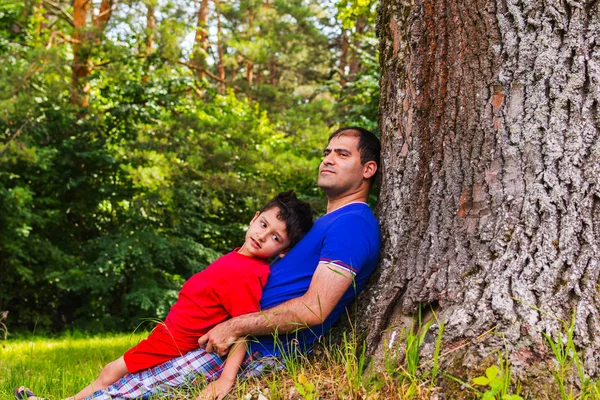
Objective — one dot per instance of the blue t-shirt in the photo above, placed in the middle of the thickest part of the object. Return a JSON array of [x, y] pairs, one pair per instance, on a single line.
[[347, 237]]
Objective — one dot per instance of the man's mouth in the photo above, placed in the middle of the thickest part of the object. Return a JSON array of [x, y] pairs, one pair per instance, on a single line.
[[326, 171]]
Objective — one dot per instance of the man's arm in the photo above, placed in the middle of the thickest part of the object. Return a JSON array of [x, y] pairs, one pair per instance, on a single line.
[[328, 285]]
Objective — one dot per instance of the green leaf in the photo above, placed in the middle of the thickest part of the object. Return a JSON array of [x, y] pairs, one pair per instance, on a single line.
[[488, 396], [491, 372], [497, 382], [481, 380], [511, 397]]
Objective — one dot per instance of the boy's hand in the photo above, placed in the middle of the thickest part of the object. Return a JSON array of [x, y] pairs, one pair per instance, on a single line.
[[215, 390], [219, 339]]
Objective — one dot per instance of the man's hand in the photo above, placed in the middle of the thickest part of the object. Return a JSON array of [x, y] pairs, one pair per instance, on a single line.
[[219, 339]]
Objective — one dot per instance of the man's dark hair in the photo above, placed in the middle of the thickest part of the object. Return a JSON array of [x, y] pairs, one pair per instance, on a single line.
[[369, 146], [296, 214]]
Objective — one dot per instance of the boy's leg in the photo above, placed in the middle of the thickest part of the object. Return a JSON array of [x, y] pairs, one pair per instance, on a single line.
[[111, 373], [178, 373]]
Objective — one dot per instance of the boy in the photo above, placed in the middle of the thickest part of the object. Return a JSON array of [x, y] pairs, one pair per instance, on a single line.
[[230, 286]]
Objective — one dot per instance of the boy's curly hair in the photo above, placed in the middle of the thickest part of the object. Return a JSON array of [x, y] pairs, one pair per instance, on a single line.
[[296, 214]]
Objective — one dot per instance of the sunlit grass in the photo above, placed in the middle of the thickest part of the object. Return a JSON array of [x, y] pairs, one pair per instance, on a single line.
[[57, 368]]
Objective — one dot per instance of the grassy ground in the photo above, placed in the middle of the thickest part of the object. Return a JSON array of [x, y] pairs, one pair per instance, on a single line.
[[57, 368]]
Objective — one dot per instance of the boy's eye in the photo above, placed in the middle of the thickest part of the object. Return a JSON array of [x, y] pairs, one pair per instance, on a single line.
[[262, 223], [276, 238]]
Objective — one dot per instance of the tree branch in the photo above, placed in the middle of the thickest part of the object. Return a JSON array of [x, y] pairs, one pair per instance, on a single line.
[[17, 133], [196, 68], [66, 16]]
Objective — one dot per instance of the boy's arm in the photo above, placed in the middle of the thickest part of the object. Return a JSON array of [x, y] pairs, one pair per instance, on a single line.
[[219, 388]]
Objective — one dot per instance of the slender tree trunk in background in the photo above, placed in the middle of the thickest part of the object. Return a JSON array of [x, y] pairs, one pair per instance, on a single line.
[[490, 195], [355, 63], [81, 66], [85, 38], [102, 19], [149, 45], [201, 41], [249, 63], [220, 51], [273, 71], [344, 57]]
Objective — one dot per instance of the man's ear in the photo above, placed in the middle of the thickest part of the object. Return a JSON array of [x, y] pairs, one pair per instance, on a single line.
[[255, 216], [369, 169]]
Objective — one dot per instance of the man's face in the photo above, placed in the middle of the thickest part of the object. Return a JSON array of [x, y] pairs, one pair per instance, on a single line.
[[340, 171], [266, 236]]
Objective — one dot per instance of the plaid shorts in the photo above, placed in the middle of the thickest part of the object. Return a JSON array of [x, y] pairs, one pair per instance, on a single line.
[[181, 372]]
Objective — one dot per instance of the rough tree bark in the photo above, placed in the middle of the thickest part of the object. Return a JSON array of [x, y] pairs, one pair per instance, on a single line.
[[490, 194]]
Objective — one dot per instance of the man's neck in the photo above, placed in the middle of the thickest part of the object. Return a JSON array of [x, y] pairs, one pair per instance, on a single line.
[[335, 203]]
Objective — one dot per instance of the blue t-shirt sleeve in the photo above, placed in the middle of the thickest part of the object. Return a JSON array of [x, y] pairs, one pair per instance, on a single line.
[[348, 243]]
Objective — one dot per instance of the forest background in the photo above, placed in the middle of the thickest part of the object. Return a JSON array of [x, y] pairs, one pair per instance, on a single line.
[[138, 137]]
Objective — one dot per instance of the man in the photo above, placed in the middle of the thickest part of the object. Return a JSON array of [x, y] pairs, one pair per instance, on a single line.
[[309, 288]]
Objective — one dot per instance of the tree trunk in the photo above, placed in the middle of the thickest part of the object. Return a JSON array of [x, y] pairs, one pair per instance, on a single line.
[[249, 62], [81, 66], [149, 45], [490, 193], [361, 23], [220, 51], [85, 38], [201, 42], [345, 46]]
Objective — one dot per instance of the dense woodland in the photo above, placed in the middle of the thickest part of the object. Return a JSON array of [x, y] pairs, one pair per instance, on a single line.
[[137, 138]]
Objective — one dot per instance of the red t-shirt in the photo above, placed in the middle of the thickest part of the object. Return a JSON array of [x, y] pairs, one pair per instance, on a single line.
[[229, 287]]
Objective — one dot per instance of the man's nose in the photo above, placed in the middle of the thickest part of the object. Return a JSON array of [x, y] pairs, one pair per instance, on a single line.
[[328, 159]]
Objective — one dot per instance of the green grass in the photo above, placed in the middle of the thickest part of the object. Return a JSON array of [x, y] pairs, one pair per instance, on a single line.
[[57, 368], [60, 367]]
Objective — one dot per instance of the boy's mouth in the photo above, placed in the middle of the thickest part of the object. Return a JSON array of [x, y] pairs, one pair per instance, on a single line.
[[255, 243]]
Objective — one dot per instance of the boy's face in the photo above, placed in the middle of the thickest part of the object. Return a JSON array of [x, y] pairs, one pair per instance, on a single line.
[[266, 236]]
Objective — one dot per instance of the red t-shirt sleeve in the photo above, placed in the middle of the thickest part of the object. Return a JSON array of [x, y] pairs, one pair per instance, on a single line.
[[243, 295]]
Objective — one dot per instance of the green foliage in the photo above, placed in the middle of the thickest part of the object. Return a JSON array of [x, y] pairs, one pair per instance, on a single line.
[[497, 381], [566, 355], [107, 210], [306, 388]]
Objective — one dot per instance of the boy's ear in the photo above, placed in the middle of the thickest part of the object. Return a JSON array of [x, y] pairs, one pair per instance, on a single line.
[[255, 216], [284, 252]]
